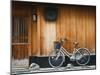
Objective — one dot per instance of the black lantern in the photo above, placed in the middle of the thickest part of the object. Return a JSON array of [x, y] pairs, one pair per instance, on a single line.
[[51, 13]]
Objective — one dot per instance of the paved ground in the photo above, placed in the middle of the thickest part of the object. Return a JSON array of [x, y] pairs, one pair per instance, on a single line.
[[24, 71], [20, 67]]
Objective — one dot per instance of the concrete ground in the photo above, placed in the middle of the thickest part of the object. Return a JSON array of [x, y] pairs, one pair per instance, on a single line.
[[20, 67], [21, 71]]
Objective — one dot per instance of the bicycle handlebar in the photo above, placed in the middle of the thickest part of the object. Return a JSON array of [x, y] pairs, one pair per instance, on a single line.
[[66, 39]]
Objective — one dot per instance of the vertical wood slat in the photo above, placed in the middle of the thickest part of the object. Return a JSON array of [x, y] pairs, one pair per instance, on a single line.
[[72, 28], [94, 30], [42, 32], [34, 39], [29, 24], [38, 31], [67, 27], [81, 27], [90, 35], [58, 25]]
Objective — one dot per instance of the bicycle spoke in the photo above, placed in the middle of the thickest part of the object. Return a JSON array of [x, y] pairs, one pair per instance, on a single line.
[[57, 60], [85, 56]]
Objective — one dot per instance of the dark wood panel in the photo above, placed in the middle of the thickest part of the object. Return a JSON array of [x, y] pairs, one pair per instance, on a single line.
[[20, 51]]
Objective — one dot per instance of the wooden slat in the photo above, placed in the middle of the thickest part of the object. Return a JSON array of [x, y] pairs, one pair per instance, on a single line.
[[91, 24], [81, 27], [66, 22], [38, 31], [58, 25], [42, 33], [29, 23]]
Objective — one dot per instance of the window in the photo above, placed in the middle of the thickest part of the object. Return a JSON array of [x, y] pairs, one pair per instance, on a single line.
[[19, 30]]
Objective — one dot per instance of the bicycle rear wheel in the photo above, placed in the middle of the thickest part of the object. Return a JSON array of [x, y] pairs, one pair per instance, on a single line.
[[56, 59], [82, 56]]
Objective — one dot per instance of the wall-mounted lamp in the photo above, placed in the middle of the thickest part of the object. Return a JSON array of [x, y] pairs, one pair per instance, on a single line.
[[34, 17]]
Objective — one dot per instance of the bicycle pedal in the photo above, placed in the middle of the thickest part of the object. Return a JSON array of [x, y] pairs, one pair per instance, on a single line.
[[69, 65]]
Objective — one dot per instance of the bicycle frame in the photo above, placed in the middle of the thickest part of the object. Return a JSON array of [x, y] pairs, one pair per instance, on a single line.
[[63, 50]]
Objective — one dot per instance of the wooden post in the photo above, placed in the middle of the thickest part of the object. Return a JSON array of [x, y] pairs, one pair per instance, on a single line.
[[29, 33], [38, 31]]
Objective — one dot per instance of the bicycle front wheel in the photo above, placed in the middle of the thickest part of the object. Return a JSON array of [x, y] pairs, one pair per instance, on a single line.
[[82, 56], [56, 59]]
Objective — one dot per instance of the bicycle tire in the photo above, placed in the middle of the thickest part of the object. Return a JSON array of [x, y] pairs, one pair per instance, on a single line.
[[56, 63], [83, 58]]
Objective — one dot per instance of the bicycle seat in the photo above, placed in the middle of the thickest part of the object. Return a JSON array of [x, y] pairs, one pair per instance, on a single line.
[[75, 43]]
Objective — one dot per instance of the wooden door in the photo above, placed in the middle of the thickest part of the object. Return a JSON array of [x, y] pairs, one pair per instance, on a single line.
[[21, 32]]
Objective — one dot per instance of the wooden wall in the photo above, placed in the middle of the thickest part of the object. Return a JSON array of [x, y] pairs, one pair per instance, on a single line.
[[76, 23]]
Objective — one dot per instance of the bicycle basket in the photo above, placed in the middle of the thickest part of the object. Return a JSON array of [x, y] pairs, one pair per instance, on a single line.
[[57, 45]]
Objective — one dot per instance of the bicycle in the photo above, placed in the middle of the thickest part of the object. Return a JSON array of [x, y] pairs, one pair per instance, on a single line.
[[57, 56]]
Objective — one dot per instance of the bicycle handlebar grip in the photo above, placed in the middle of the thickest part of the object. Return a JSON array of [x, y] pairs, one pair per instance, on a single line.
[[75, 43]]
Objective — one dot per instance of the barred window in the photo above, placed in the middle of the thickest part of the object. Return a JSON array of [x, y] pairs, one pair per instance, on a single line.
[[19, 30]]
